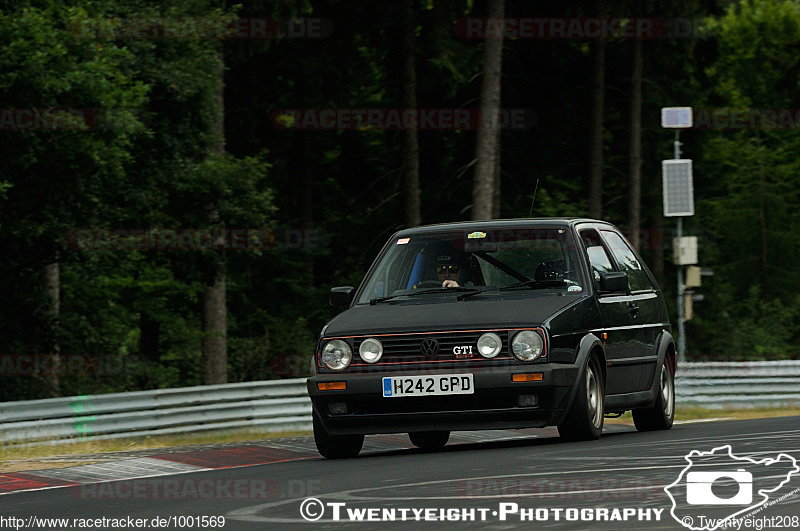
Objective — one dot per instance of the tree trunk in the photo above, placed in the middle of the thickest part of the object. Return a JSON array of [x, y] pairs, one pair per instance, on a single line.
[[214, 346], [214, 322], [635, 146], [149, 331], [496, 194], [52, 288], [410, 156], [305, 169], [660, 237], [443, 27], [598, 57], [487, 151], [762, 220]]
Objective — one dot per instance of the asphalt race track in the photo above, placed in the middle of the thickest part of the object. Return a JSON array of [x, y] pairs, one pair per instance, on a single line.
[[495, 480]]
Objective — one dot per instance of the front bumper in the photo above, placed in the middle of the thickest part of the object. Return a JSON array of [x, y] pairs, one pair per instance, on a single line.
[[493, 405]]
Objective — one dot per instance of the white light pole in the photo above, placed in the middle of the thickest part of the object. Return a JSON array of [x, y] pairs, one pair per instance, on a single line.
[[678, 202]]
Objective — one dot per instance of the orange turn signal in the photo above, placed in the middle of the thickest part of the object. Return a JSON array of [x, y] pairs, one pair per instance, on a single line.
[[331, 386], [527, 377]]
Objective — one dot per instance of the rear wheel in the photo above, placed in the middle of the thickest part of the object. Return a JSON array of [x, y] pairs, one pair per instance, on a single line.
[[662, 414], [584, 420], [429, 440], [335, 446]]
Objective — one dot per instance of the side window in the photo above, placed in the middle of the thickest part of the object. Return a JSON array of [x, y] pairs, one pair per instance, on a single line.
[[637, 278], [598, 258]]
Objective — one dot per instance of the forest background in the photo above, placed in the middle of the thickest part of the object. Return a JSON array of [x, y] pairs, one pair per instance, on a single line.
[[127, 151]]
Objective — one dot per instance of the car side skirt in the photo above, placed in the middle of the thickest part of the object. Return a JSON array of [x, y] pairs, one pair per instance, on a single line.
[[642, 399]]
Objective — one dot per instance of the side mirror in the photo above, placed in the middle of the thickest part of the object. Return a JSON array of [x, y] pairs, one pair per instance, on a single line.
[[613, 281], [342, 295]]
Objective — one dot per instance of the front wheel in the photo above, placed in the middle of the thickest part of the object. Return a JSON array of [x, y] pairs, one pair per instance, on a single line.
[[429, 440], [662, 414], [584, 420], [335, 446]]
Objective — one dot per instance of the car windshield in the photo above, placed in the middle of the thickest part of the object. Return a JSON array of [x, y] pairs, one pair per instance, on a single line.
[[513, 259]]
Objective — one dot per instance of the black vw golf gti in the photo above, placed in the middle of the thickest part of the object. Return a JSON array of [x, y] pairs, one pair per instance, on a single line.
[[494, 325]]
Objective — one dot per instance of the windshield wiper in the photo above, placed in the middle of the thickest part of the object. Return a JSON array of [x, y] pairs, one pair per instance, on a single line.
[[477, 291], [535, 284], [376, 300], [426, 290], [443, 290]]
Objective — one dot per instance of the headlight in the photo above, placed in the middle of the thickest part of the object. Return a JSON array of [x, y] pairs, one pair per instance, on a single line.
[[489, 345], [370, 350], [337, 355], [527, 345]]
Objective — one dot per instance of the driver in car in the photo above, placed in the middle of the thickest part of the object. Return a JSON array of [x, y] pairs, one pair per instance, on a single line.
[[448, 271]]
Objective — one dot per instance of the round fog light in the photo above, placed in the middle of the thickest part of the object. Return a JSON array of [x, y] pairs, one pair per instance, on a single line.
[[489, 345], [370, 350]]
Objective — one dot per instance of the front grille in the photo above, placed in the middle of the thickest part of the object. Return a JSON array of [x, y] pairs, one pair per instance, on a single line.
[[408, 348], [405, 350]]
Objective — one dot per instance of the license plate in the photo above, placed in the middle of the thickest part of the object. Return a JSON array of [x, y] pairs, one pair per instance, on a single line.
[[441, 384]]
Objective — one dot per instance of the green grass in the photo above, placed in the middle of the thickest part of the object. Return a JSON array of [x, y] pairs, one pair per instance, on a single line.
[[699, 413], [83, 451]]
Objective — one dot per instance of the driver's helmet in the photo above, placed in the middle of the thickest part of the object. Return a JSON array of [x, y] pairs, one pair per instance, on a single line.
[[452, 262]]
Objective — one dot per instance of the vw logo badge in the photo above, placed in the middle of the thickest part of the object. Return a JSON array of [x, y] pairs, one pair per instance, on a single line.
[[429, 347]]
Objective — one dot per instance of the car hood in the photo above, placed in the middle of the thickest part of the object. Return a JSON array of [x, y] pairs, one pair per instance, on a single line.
[[447, 314]]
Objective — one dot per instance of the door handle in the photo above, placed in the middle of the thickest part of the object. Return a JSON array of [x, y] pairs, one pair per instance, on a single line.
[[633, 309]]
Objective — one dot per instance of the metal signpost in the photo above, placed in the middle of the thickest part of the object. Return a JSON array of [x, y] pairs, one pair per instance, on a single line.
[[678, 202]]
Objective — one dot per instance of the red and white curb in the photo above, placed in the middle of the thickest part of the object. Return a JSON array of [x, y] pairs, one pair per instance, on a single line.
[[166, 464]]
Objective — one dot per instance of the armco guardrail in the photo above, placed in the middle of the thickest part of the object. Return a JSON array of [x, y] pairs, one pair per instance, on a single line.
[[283, 405], [280, 405], [746, 384]]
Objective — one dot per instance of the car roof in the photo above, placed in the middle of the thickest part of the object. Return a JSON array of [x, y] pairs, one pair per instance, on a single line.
[[495, 224]]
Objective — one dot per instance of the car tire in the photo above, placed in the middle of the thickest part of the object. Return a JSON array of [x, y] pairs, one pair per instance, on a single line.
[[429, 440], [335, 446], [584, 419], [662, 414]]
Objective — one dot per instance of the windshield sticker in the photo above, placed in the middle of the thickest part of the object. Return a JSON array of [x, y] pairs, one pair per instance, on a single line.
[[476, 234], [574, 288], [403, 241]]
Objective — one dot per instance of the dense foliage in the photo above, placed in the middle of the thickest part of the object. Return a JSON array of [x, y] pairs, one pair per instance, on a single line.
[[129, 318]]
